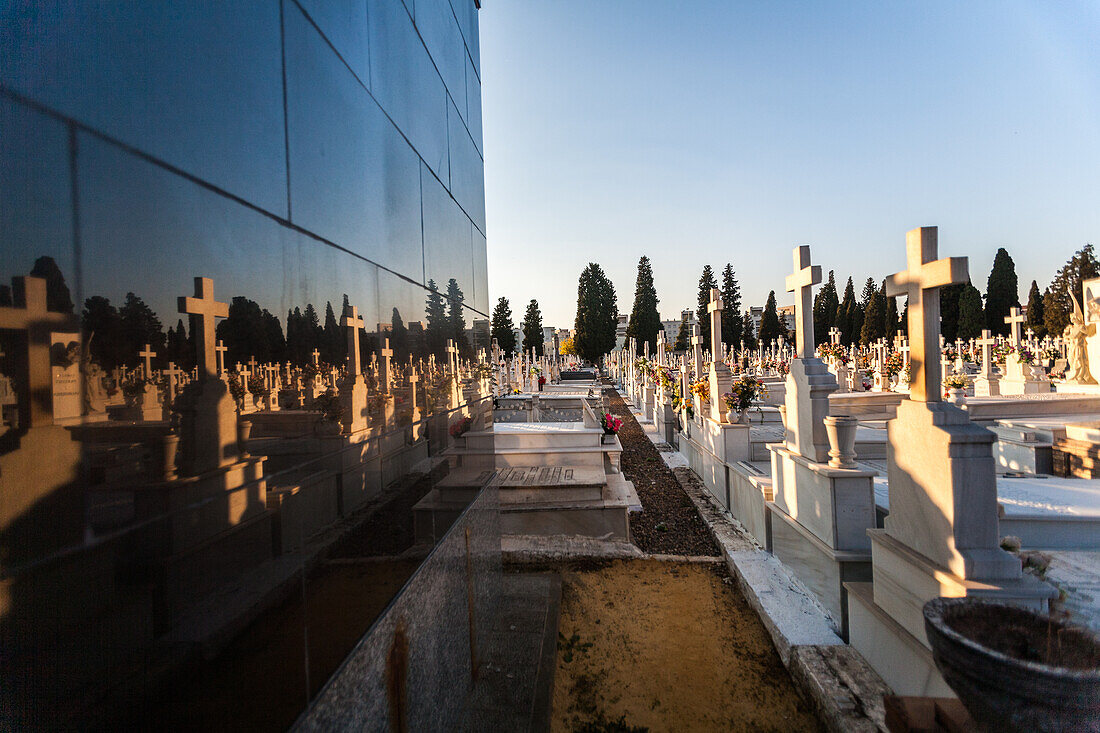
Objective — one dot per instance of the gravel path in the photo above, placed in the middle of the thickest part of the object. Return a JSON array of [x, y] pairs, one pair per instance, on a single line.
[[668, 523]]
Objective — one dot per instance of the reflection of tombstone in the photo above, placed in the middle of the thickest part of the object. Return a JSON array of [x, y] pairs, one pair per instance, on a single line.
[[65, 376], [1090, 295]]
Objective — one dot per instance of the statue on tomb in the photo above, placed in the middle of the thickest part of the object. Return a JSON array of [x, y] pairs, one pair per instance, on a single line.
[[1075, 335], [94, 395]]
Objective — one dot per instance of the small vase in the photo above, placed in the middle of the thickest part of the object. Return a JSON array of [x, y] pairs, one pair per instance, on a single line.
[[841, 430], [171, 446], [957, 396], [608, 439]]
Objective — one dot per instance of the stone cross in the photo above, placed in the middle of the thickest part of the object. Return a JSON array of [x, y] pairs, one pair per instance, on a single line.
[[1015, 320], [352, 321], [252, 363], [219, 355], [714, 308], [921, 282], [413, 379], [173, 375], [316, 357], [987, 342], [834, 335], [696, 350], [452, 356], [148, 355], [202, 309], [801, 282], [384, 372]]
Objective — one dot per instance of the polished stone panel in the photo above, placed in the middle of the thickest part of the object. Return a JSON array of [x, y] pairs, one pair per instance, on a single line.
[[467, 181], [344, 25], [437, 25], [200, 89], [353, 178], [406, 84]]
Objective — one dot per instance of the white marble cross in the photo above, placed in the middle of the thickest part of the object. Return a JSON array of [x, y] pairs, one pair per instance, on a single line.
[[921, 282], [219, 355], [384, 373], [202, 309], [452, 356], [173, 375], [316, 357], [1015, 320], [801, 282], [986, 342], [696, 349], [352, 321], [148, 355], [715, 309], [834, 335]]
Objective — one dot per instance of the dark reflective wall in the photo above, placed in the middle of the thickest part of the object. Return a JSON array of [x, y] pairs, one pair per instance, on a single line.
[[308, 157]]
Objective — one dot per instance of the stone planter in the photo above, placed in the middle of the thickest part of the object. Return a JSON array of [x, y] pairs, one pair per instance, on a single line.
[[841, 430], [1010, 692], [957, 396], [607, 439]]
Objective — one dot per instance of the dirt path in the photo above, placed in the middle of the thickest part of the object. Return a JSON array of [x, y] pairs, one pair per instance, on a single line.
[[668, 523], [667, 647]]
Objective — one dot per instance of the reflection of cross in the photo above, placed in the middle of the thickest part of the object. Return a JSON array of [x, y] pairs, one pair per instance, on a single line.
[[173, 374], [715, 309], [1014, 319], [352, 321], [921, 282], [1030, 333], [386, 353], [252, 363], [801, 282], [219, 353], [203, 309], [316, 357], [38, 323], [834, 335], [986, 342], [148, 355], [452, 356]]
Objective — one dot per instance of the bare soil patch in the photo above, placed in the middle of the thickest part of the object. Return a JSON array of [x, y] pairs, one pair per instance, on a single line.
[[662, 646]]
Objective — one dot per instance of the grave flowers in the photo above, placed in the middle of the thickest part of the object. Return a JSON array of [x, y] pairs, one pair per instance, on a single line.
[[744, 393], [955, 386], [611, 425], [332, 412], [461, 427], [701, 389]]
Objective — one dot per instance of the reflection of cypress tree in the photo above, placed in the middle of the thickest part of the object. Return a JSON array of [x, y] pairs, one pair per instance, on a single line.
[[399, 338], [176, 346], [456, 320], [250, 332], [58, 298], [436, 324], [748, 330], [273, 332], [100, 319], [331, 350], [139, 325], [310, 331]]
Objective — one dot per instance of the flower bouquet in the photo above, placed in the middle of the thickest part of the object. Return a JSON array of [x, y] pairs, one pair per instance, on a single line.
[[745, 392], [461, 427], [611, 425]]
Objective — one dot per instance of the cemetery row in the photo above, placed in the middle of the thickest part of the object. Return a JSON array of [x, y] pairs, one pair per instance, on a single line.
[[890, 474]]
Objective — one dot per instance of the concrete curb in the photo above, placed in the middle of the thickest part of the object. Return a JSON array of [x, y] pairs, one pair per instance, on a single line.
[[844, 690]]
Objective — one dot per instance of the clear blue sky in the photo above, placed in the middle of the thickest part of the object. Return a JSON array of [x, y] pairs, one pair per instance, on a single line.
[[707, 132]]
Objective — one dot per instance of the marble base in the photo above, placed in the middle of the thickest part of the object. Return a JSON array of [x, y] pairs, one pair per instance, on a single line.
[[750, 492], [821, 568], [987, 386], [1024, 387]]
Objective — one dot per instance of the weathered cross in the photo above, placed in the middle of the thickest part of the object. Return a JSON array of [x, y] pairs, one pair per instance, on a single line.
[[202, 309], [1015, 321], [714, 308], [696, 349], [148, 355], [352, 321], [384, 375], [38, 323], [173, 375], [316, 357], [986, 342], [921, 282], [801, 282], [834, 335]]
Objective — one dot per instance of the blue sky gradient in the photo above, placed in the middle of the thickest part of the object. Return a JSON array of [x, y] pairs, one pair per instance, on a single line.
[[714, 132]]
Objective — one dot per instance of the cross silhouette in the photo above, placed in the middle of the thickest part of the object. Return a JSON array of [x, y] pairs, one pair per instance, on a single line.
[[148, 355], [202, 310], [921, 282], [352, 321], [219, 352]]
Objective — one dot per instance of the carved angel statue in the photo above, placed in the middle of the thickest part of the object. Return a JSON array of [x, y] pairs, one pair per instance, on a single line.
[[1075, 335]]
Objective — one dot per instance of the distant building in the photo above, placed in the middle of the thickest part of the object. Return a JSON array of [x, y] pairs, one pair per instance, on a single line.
[[620, 330], [672, 327], [785, 313]]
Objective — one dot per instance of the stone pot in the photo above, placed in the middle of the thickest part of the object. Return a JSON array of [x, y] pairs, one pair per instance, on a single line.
[[171, 445], [957, 396], [608, 439], [841, 430], [1009, 693], [244, 430]]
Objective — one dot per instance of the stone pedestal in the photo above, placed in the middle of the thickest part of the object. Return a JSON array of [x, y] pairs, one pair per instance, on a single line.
[[819, 521], [987, 386], [353, 396], [648, 400], [940, 539], [808, 386], [1021, 379], [721, 381]]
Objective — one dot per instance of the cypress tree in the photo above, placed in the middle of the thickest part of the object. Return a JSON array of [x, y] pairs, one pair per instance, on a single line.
[[702, 315], [101, 322], [731, 315], [532, 329], [645, 320], [846, 314], [456, 319], [435, 321], [139, 325], [503, 330], [334, 347], [597, 315], [949, 311], [891, 318], [1002, 292], [770, 328], [874, 319], [399, 337], [748, 332], [971, 320], [1035, 311], [826, 305], [1057, 307]]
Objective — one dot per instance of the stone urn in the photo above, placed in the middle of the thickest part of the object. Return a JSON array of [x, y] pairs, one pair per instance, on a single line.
[[170, 449], [841, 430], [956, 395], [1015, 669]]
